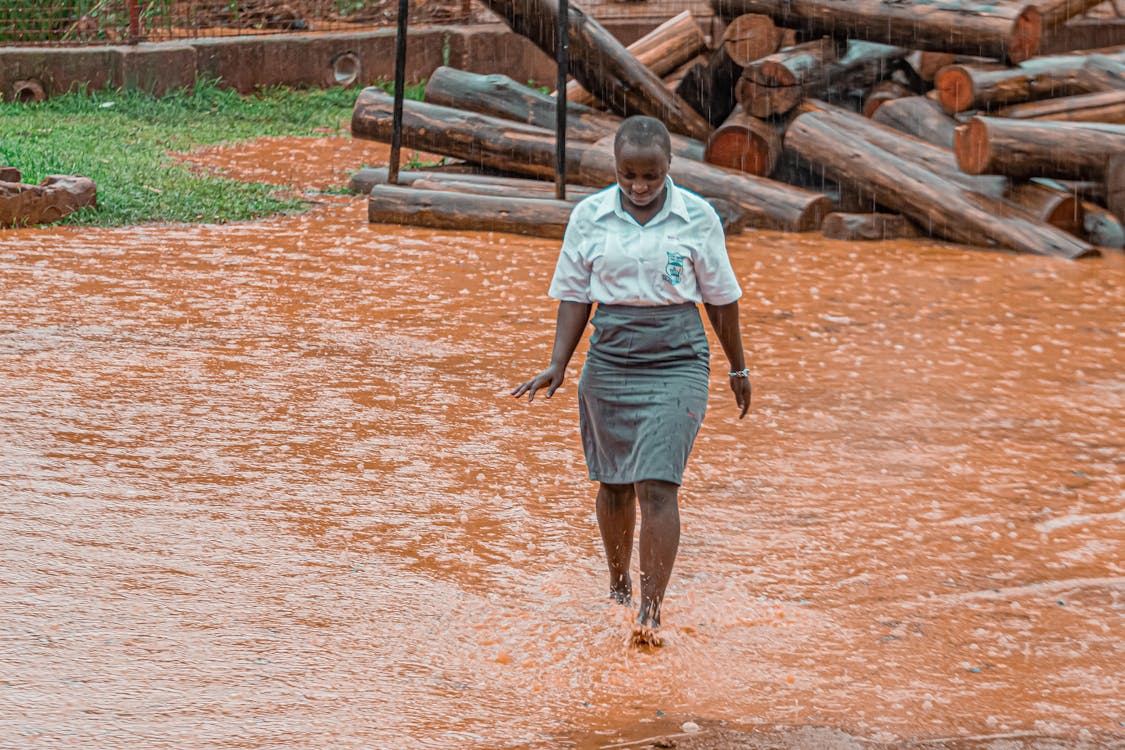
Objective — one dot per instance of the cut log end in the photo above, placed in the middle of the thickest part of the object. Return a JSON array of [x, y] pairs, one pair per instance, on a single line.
[[1027, 35], [955, 89], [741, 149], [970, 144]]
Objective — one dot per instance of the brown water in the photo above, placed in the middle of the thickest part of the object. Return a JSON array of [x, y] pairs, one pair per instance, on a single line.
[[261, 485]]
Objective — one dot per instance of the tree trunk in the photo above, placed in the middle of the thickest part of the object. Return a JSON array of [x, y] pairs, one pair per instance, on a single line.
[[527, 150], [1100, 227], [602, 64], [1058, 208], [1102, 73], [709, 89], [965, 87], [984, 29], [745, 143], [1057, 12], [1037, 148], [935, 204], [673, 79], [920, 117], [881, 93], [517, 189], [439, 209], [662, 50], [939, 161], [1115, 186], [775, 85], [1084, 34], [854, 227], [1105, 106], [368, 177], [499, 96]]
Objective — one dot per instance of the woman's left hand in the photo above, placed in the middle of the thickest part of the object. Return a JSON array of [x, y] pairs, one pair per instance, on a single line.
[[741, 388]]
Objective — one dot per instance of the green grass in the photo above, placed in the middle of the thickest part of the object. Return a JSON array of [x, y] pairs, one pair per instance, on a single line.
[[120, 139]]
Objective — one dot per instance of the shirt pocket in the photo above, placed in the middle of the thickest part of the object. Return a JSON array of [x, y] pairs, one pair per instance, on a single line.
[[675, 259]]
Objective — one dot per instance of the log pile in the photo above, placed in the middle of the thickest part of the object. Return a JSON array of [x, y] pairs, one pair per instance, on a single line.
[[863, 119]]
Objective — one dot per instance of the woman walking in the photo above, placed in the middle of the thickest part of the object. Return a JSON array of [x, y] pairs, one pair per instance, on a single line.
[[646, 253]]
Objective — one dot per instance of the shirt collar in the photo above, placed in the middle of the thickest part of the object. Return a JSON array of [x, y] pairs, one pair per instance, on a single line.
[[673, 204]]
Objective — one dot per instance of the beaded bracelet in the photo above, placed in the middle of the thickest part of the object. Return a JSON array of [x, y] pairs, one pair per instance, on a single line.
[[741, 373]]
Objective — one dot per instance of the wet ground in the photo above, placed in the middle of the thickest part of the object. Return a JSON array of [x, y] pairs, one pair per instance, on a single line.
[[261, 485]]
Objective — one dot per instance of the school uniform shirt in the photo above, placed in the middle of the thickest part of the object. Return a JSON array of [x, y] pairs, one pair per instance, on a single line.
[[679, 256]]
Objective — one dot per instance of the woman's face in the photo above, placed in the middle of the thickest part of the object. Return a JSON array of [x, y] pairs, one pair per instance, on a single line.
[[641, 170]]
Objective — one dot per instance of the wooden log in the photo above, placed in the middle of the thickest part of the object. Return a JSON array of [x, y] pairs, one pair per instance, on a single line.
[[52, 199], [530, 188], [1058, 208], [839, 225], [927, 63], [1101, 228], [746, 143], [709, 89], [368, 177], [662, 50], [984, 29], [1115, 185], [965, 87], [939, 161], [10, 174], [1037, 148], [1102, 73], [1105, 106], [920, 117], [1057, 12], [1084, 34], [881, 93], [673, 79], [602, 64], [500, 96], [439, 209], [775, 84], [530, 151], [937, 205]]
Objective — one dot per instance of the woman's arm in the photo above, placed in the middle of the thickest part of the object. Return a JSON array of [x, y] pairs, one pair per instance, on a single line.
[[724, 319], [569, 325]]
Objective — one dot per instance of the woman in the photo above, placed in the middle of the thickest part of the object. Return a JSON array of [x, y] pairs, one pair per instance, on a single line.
[[646, 252]]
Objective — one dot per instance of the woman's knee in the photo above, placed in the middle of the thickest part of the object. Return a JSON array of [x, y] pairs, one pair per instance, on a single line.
[[657, 492], [617, 492]]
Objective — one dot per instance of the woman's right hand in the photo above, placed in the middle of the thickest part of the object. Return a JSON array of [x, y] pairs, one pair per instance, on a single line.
[[551, 379]]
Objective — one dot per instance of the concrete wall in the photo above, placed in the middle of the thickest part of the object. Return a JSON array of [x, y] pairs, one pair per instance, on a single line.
[[294, 59]]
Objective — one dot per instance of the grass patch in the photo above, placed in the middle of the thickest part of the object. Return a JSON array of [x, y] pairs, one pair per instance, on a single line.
[[120, 139]]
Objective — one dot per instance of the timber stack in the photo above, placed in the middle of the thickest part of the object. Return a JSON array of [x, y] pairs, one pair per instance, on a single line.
[[992, 123]]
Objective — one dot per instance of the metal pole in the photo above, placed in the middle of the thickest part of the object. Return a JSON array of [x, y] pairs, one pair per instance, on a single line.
[[562, 59], [400, 84], [134, 21]]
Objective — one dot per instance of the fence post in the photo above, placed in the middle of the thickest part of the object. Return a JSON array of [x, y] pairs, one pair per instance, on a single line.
[[134, 21]]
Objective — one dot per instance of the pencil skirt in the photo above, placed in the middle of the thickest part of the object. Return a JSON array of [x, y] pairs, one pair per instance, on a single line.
[[643, 392]]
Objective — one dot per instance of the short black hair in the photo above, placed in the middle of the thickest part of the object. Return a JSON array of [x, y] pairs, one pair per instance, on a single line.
[[642, 130]]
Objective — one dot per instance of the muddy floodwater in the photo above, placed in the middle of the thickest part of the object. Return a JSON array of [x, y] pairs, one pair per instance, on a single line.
[[262, 486]]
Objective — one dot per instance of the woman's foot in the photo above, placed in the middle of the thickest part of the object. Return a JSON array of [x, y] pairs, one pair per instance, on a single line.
[[623, 595], [645, 636]]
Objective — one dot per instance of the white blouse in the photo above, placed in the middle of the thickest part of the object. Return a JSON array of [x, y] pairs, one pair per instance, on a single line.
[[679, 256]]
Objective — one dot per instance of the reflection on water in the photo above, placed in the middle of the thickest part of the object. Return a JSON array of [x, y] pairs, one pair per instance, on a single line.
[[262, 487]]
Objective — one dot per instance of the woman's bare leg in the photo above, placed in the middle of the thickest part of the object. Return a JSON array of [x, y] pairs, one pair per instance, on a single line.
[[617, 515], [660, 539]]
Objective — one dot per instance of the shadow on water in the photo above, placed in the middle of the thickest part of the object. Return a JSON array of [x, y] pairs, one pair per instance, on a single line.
[[263, 486]]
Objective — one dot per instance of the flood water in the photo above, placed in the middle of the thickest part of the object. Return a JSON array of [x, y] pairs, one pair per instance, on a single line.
[[261, 485]]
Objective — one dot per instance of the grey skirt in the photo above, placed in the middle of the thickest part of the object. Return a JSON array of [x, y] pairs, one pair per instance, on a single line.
[[643, 392]]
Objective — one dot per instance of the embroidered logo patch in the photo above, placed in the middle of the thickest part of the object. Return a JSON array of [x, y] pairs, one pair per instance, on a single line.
[[674, 268]]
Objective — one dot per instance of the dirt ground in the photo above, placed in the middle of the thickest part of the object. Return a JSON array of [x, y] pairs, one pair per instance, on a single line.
[[325, 163]]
